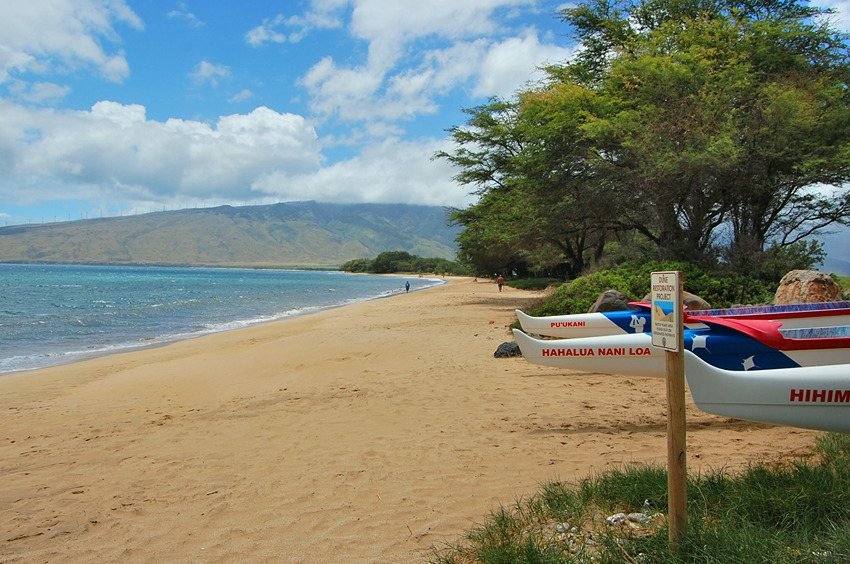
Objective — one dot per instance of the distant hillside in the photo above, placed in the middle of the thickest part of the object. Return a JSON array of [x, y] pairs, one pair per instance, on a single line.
[[287, 234]]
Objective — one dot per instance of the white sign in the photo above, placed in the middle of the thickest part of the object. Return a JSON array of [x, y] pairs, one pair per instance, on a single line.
[[666, 310]]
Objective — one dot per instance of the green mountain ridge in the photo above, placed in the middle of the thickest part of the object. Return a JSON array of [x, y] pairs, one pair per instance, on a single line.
[[277, 235]]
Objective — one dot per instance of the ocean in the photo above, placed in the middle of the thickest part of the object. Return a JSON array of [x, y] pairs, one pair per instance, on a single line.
[[53, 314]]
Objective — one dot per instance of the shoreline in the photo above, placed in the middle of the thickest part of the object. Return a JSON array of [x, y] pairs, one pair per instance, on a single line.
[[369, 432], [64, 357]]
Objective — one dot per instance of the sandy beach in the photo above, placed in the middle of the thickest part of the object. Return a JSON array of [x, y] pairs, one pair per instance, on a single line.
[[368, 433]]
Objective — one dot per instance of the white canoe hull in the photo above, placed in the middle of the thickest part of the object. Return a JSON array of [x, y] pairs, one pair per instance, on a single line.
[[638, 321], [812, 397], [583, 325], [632, 355]]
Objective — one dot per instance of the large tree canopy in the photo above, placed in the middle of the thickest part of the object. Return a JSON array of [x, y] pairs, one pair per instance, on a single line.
[[702, 125]]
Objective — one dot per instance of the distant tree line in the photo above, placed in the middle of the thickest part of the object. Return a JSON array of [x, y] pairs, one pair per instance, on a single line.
[[400, 261], [711, 131]]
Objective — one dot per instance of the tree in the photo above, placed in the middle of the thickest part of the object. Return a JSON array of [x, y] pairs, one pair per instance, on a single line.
[[721, 113], [575, 209], [393, 261], [540, 207], [482, 244], [707, 126], [486, 146]]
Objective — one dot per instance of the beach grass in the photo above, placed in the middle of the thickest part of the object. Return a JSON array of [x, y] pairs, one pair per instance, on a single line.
[[794, 511]]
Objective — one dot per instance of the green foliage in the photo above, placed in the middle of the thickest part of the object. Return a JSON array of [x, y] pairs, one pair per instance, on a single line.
[[844, 283], [532, 283], [779, 513], [776, 261], [400, 261], [357, 265], [578, 295], [720, 288], [699, 127], [392, 261]]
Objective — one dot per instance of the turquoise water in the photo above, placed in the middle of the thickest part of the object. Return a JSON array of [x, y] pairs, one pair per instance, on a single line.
[[52, 314]]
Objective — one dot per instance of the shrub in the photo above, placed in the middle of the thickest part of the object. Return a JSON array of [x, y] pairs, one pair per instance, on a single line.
[[720, 288], [401, 261], [357, 265], [532, 283]]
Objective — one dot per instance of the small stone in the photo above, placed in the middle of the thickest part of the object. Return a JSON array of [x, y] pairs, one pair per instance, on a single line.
[[616, 518], [638, 518], [506, 350], [562, 527]]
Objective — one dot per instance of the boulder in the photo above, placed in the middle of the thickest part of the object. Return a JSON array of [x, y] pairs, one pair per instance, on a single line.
[[692, 301], [806, 286], [610, 300], [506, 350]]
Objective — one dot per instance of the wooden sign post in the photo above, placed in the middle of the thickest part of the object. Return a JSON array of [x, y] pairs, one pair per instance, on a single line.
[[667, 333]]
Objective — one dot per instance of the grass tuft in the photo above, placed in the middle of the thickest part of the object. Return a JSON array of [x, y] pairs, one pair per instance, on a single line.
[[790, 513]]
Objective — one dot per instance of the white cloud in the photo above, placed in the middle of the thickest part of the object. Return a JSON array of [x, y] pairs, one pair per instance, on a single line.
[[421, 51], [322, 15], [182, 13], [119, 114], [38, 92], [208, 72], [266, 32], [392, 171], [420, 55], [512, 63], [367, 131], [387, 26], [114, 151], [241, 96], [38, 36], [348, 93], [456, 64], [841, 18]]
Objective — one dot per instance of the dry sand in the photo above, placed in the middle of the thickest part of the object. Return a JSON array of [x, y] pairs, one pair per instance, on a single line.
[[368, 433]]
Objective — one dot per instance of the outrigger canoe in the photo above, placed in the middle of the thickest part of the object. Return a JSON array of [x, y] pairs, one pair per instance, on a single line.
[[637, 320], [808, 397], [731, 344]]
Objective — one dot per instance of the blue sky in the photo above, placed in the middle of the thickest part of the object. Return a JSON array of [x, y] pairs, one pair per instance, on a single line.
[[111, 107]]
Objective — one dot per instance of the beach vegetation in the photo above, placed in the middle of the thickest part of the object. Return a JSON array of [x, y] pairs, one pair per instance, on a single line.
[[390, 262], [710, 132], [719, 287], [532, 283], [784, 512]]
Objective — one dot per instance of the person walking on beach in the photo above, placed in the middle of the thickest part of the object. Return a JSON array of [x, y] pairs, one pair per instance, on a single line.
[[406, 287], [500, 281]]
